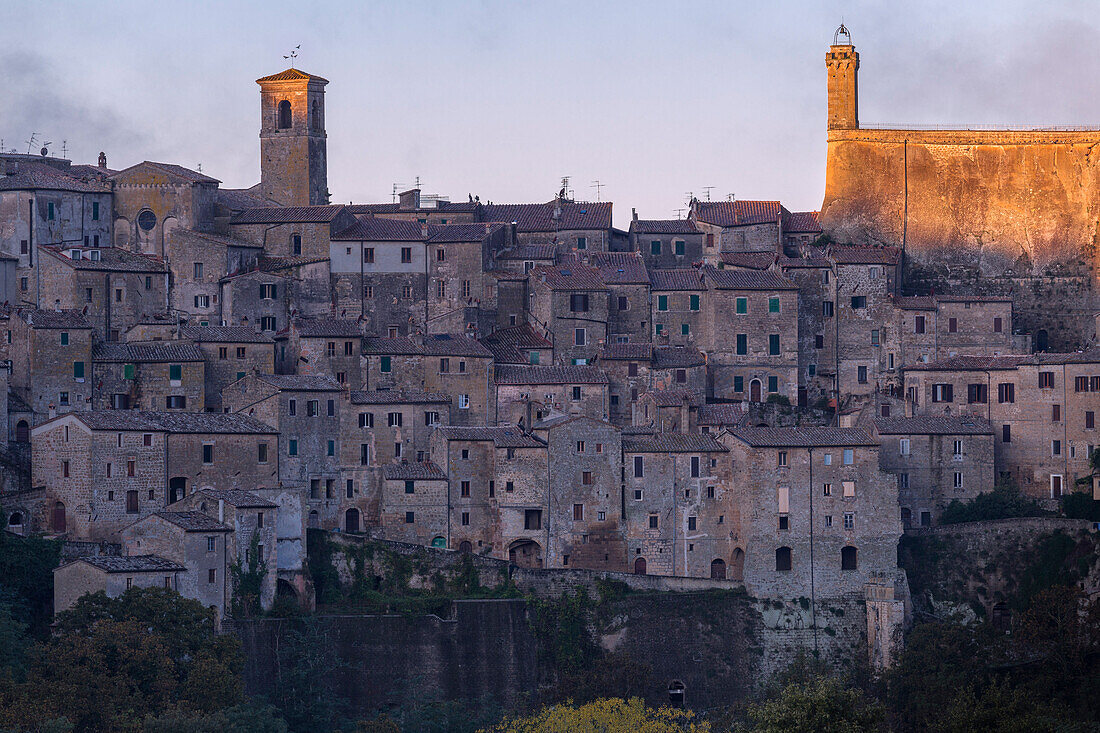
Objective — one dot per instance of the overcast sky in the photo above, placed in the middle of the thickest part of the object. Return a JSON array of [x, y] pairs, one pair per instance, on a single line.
[[502, 99]]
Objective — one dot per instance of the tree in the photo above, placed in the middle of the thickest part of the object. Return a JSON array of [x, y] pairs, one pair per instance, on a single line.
[[26, 579], [607, 715], [823, 704]]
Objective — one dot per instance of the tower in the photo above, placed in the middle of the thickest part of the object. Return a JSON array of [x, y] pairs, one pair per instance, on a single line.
[[293, 147], [842, 61]]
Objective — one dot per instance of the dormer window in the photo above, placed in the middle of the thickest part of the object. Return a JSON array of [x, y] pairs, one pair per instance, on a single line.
[[74, 254], [94, 255]]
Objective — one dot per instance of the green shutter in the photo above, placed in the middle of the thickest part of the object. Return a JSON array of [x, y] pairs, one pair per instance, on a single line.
[[655, 247], [64, 338], [742, 305], [384, 364], [533, 357], [128, 371], [679, 248], [773, 384], [742, 343], [694, 302], [78, 370], [292, 448], [684, 329], [773, 344], [175, 372], [738, 384], [662, 302], [773, 304]]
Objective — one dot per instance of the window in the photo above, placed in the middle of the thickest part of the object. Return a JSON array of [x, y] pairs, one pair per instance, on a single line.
[[578, 512], [773, 304], [685, 329], [861, 374], [444, 365], [241, 352], [918, 325], [313, 408], [849, 456], [582, 242], [1006, 392], [1046, 380], [903, 481], [738, 384], [78, 370], [393, 419], [942, 393], [662, 302], [586, 478], [859, 301], [465, 288], [773, 384], [24, 284], [1006, 433], [464, 402], [1055, 413], [441, 289], [827, 309], [63, 398], [773, 344], [624, 304], [997, 327], [782, 559], [1090, 420], [849, 520], [874, 337], [903, 446], [952, 325], [580, 338], [406, 255], [175, 372], [681, 376], [849, 488], [695, 466], [638, 467], [532, 519], [848, 556], [208, 453], [655, 247], [653, 521], [742, 345], [975, 394], [175, 402], [578, 302], [741, 306], [781, 459], [331, 448], [1055, 447]]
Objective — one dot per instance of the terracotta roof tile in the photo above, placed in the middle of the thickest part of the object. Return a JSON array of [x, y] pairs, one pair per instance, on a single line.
[[467, 232], [804, 437], [970, 363], [32, 176], [521, 374], [540, 217], [419, 471], [748, 260], [802, 222], [933, 425], [54, 319], [723, 414], [747, 280], [631, 351], [663, 226], [289, 215], [502, 437], [291, 74], [529, 252], [572, 276], [132, 564], [671, 443], [194, 521], [621, 268], [148, 352], [110, 259], [225, 335], [170, 422], [374, 229], [682, 279], [238, 498], [176, 171], [398, 397], [677, 357], [737, 213], [301, 382]]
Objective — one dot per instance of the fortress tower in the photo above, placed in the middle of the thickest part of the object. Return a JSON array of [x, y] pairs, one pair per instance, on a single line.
[[293, 143], [842, 61]]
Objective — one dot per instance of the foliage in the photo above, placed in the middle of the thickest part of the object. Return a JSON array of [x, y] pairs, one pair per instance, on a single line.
[[823, 704], [1004, 502], [778, 399], [608, 715], [13, 640], [248, 581], [26, 578], [1081, 505], [245, 718], [307, 664], [116, 662]]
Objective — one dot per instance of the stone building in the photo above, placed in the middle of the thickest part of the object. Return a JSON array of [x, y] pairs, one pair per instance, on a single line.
[[519, 345], [584, 226], [329, 346], [197, 262], [116, 289], [677, 306], [815, 510], [865, 282], [666, 243], [51, 361], [627, 367], [194, 541], [113, 575], [154, 376], [450, 363], [800, 229], [679, 517], [390, 426], [103, 469], [461, 296], [569, 304], [292, 231], [253, 545], [153, 199], [293, 141], [412, 205], [584, 517], [935, 460], [739, 226], [305, 411], [574, 390], [414, 504], [817, 325], [497, 500], [230, 352], [628, 310], [750, 333], [668, 411], [258, 300]]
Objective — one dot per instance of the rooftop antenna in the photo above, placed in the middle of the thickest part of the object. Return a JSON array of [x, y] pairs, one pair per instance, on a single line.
[[565, 192], [200, 167], [706, 190], [64, 148], [690, 197], [30, 142], [597, 185], [679, 213], [46, 148], [730, 196], [292, 55]]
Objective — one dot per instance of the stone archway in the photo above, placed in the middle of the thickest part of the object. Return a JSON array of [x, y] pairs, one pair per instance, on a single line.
[[755, 389], [525, 554], [639, 566], [718, 569], [737, 565], [22, 432]]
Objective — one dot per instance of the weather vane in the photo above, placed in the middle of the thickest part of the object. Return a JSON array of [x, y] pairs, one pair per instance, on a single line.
[[293, 55]]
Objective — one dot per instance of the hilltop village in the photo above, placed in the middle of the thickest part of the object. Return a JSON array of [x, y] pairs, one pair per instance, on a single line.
[[197, 377]]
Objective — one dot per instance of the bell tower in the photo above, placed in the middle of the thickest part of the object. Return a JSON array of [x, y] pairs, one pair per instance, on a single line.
[[842, 62], [293, 142]]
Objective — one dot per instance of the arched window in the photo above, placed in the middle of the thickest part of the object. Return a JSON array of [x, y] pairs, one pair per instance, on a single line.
[[16, 520], [315, 117], [296, 244], [848, 558], [22, 432], [351, 520], [718, 569], [284, 115], [783, 559], [58, 517], [639, 566]]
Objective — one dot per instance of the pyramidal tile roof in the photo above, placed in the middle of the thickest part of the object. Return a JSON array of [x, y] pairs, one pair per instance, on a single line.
[[291, 74]]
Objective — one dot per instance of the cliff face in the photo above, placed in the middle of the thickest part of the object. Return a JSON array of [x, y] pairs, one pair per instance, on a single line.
[[992, 202]]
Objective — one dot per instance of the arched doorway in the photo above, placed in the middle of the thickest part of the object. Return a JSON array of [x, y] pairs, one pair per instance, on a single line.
[[718, 569], [849, 559], [58, 519], [15, 522], [283, 589], [525, 554], [314, 520], [906, 517], [676, 691], [439, 542], [737, 566], [639, 566], [783, 559], [351, 520], [1042, 340], [465, 547], [754, 390], [22, 432], [177, 489]]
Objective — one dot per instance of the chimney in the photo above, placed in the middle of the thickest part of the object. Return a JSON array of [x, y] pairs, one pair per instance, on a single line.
[[102, 160], [409, 199], [57, 305], [52, 411], [634, 213]]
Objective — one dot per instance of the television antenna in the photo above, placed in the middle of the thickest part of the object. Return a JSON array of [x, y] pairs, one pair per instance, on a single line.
[[690, 196], [707, 190], [565, 192], [730, 196], [45, 150], [292, 55], [597, 185], [64, 148], [679, 213], [30, 142]]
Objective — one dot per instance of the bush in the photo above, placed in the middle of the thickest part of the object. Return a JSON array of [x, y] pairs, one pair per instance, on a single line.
[[1081, 505], [1004, 502]]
